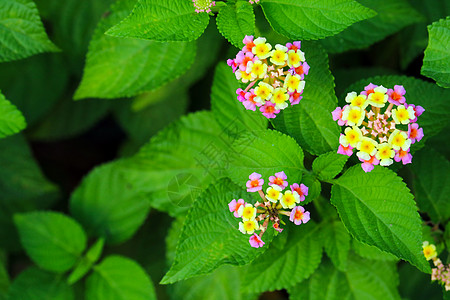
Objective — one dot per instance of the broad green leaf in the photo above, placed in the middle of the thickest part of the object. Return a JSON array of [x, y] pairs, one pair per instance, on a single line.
[[4, 280], [34, 84], [11, 119], [313, 19], [118, 278], [84, 265], [378, 209], [371, 252], [364, 279], [228, 111], [111, 65], [179, 162], [210, 236], [265, 152], [314, 187], [436, 63], [34, 283], [21, 31], [235, 21], [107, 205], [337, 243], [432, 183], [69, 118], [328, 165], [23, 187], [434, 99], [52, 240], [282, 268], [162, 20], [391, 16], [310, 122]]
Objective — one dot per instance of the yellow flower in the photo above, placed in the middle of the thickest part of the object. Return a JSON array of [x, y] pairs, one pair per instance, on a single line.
[[280, 97], [357, 100], [289, 199], [261, 48], [367, 148], [279, 56], [384, 154], [351, 136], [293, 82], [248, 226], [247, 212], [273, 193], [403, 115], [353, 115], [295, 58], [399, 140], [379, 97], [429, 250]]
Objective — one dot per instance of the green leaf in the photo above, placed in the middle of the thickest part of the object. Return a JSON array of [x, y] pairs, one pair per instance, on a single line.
[[418, 92], [328, 165], [4, 280], [11, 119], [107, 205], [111, 71], [436, 63], [337, 243], [162, 20], [210, 236], [178, 163], [52, 240], [364, 279], [21, 31], [371, 252], [85, 264], [391, 17], [118, 278], [282, 268], [235, 21], [377, 209], [34, 283], [313, 19], [310, 122], [265, 152], [432, 183], [23, 187], [228, 111], [314, 187]]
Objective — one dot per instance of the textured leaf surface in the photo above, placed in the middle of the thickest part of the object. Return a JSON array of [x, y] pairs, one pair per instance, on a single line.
[[107, 205], [391, 17], [118, 278], [124, 67], [313, 19], [434, 99], [235, 21], [162, 20], [337, 243], [310, 122], [265, 152], [228, 111], [436, 63], [178, 163], [282, 268], [328, 165], [372, 252], [210, 236], [377, 209], [364, 279], [21, 31], [11, 119], [52, 240], [23, 187], [432, 184], [34, 283]]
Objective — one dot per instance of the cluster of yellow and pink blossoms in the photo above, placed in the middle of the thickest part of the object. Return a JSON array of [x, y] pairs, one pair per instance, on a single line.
[[271, 207], [274, 77], [441, 272], [205, 5], [379, 134]]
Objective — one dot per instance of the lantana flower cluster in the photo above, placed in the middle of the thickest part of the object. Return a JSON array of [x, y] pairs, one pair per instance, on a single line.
[[274, 76], [441, 272], [275, 202], [380, 125], [205, 5]]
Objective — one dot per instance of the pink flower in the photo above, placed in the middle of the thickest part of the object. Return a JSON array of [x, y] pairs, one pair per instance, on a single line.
[[418, 110], [234, 206], [368, 165], [241, 95], [345, 150], [277, 227], [337, 115], [255, 183], [299, 215], [248, 41], [256, 241], [279, 179], [369, 89], [414, 132], [269, 110], [294, 46], [249, 102], [232, 63], [302, 190], [295, 97], [396, 95], [403, 156], [301, 70], [243, 58]]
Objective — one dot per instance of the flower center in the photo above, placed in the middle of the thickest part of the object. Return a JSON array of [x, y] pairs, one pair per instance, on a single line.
[[278, 181]]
